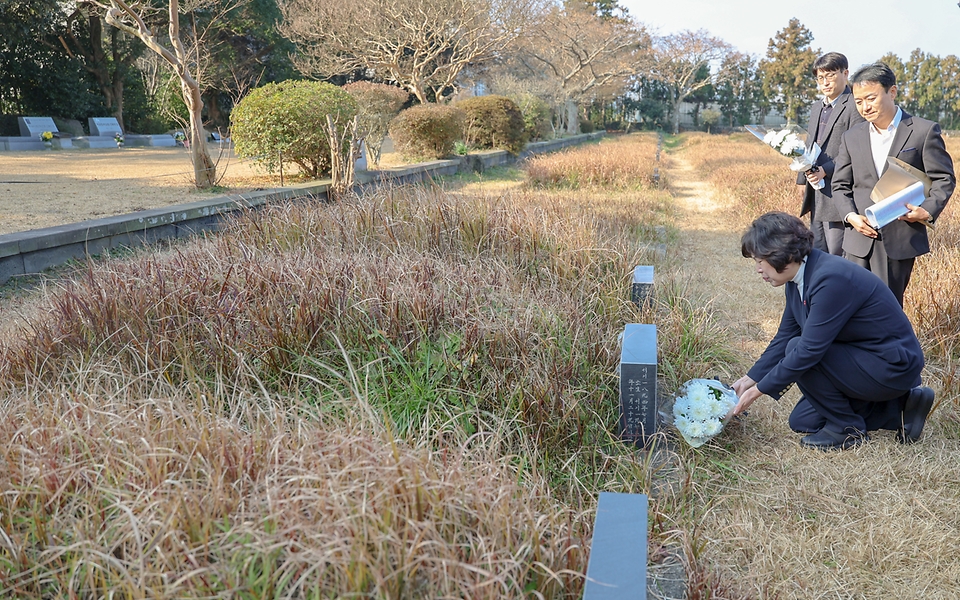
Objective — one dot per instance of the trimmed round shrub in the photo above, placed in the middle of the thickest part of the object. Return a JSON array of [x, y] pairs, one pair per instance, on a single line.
[[537, 117], [493, 122], [289, 119], [379, 104], [427, 131]]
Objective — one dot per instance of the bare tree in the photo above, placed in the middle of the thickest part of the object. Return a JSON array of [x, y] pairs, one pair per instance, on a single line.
[[682, 62], [133, 18], [582, 54], [422, 45]]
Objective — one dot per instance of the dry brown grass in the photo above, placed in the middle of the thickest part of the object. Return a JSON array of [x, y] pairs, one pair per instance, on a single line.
[[249, 376], [409, 394], [140, 489], [622, 162], [49, 189], [750, 177], [785, 522]]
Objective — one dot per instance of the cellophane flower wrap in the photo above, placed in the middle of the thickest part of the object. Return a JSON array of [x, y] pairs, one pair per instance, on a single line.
[[788, 141], [700, 408]]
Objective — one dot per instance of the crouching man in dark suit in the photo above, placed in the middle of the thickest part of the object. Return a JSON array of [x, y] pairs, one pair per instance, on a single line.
[[843, 339]]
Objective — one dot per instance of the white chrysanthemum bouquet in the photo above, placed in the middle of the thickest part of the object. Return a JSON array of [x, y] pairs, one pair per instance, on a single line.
[[700, 408], [788, 141], [785, 141]]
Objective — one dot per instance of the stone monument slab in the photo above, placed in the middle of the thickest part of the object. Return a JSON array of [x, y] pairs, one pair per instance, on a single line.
[[617, 567], [638, 383], [642, 288], [104, 127], [34, 126]]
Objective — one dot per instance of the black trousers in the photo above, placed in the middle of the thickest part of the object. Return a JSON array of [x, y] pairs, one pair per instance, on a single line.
[[828, 236], [839, 395], [894, 273]]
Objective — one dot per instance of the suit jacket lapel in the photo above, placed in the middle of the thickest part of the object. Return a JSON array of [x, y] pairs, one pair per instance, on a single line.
[[902, 136], [800, 306], [864, 153], [809, 275], [793, 301], [813, 124], [838, 108]]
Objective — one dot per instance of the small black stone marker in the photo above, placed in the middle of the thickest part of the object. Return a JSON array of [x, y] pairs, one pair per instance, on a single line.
[[617, 568], [642, 288], [638, 384]]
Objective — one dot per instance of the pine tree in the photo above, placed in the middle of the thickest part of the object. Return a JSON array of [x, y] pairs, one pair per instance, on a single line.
[[787, 81]]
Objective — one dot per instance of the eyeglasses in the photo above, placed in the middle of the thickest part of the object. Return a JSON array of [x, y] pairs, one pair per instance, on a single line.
[[828, 76]]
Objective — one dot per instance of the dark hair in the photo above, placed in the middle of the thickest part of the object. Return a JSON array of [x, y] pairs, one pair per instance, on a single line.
[[778, 238], [831, 61], [878, 72]]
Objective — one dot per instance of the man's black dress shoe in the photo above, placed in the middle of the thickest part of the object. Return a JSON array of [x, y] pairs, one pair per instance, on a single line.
[[829, 440], [915, 412]]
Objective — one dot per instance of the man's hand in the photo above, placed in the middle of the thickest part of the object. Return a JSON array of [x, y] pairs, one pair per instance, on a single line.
[[747, 390], [861, 224], [917, 213], [743, 384], [815, 176]]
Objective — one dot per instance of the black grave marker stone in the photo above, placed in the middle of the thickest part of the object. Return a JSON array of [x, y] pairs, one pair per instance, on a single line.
[[638, 383]]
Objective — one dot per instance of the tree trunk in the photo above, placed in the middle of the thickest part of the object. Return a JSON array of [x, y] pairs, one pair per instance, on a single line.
[[118, 99], [204, 171], [573, 122]]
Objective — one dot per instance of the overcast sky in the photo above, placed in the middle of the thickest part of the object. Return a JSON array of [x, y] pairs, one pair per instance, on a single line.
[[863, 31]]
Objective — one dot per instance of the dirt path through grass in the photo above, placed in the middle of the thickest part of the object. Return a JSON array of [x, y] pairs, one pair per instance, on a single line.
[[710, 250]]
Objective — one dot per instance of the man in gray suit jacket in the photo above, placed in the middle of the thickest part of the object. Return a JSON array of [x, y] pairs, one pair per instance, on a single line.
[[862, 159], [829, 119]]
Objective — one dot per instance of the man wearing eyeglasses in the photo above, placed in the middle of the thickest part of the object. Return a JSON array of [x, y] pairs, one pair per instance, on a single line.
[[829, 119]]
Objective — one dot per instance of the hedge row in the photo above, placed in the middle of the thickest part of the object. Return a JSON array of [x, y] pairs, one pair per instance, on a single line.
[[286, 123]]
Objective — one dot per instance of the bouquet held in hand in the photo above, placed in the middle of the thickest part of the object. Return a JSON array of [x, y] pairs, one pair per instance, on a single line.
[[789, 142], [699, 409]]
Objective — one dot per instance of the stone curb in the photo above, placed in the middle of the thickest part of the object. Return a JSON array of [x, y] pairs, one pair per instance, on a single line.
[[34, 251]]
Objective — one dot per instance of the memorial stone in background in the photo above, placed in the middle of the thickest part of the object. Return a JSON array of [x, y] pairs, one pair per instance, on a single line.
[[638, 383], [104, 126], [642, 284], [34, 126]]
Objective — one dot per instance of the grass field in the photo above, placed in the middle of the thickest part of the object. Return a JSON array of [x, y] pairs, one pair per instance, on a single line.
[[412, 394]]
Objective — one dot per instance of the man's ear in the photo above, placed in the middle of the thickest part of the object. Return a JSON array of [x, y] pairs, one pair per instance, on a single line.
[[893, 91]]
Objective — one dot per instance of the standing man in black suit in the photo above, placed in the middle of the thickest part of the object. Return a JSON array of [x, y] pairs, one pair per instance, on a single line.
[[842, 339], [829, 119], [862, 159]]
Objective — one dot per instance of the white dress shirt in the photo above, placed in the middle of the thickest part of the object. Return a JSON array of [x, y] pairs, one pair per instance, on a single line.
[[882, 139], [880, 142], [798, 278]]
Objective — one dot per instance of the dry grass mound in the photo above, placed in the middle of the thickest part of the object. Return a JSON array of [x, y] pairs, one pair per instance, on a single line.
[[626, 162], [138, 489], [409, 394]]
